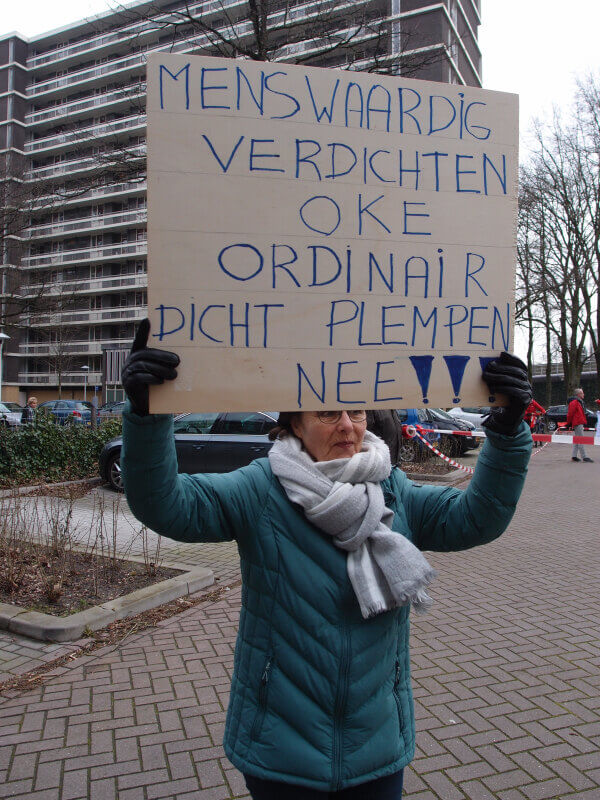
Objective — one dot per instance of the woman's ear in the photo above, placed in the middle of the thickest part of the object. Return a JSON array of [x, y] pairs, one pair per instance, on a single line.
[[296, 426]]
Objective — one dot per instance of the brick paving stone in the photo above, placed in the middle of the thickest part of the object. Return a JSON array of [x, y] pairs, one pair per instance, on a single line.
[[180, 765], [469, 772], [474, 790], [48, 776], [104, 789], [172, 787], [546, 790], [75, 785], [575, 778]]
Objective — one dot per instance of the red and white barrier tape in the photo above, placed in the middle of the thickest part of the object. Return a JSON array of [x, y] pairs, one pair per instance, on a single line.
[[539, 449], [561, 438], [414, 432]]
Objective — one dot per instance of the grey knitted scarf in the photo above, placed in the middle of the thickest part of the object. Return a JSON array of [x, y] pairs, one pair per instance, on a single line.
[[343, 498]]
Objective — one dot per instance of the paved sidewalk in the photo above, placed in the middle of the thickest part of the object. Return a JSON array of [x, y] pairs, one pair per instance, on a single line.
[[506, 672]]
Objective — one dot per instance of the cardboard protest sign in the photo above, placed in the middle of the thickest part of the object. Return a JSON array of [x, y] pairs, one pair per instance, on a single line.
[[326, 239]]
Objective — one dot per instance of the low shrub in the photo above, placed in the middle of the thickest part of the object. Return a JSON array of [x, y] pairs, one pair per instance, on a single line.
[[48, 453]]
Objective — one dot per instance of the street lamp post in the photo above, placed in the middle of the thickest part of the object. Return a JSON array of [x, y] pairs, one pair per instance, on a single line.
[[3, 338], [85, 380]]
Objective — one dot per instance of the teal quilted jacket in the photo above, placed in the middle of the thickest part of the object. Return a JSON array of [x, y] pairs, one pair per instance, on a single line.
[[320, 697]]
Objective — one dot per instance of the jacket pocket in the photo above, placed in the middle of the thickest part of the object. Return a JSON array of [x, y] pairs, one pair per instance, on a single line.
[[263, 691], [396, 693]]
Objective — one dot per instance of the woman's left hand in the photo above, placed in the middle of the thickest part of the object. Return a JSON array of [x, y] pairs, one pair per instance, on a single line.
[[507, 375]]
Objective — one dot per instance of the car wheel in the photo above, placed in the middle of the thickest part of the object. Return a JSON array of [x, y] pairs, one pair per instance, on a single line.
[[113, 472], [551, 425], [408, 451]]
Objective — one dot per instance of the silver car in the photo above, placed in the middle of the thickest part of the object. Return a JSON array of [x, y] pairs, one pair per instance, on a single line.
[[474, 415], [8, 417]]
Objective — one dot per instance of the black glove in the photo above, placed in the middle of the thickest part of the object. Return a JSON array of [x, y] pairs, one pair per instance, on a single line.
[[507, 375], [145, 366]]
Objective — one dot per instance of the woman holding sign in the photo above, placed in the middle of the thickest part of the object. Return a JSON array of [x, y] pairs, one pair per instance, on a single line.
[[330, 540]]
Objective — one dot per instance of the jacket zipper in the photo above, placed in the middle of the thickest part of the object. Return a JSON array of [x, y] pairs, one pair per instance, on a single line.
[[396, 694], [262, 700], [340, 707]]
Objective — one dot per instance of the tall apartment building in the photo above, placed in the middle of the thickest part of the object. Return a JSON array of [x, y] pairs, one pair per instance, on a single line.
[[72, 147]]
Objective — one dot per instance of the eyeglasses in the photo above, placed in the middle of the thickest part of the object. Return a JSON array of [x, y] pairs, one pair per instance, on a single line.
[[331, 417]]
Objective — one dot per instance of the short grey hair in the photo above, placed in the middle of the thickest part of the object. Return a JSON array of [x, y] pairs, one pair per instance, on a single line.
[[579, 391]]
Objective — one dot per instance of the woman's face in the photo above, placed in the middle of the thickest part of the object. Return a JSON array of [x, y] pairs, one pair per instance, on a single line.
[[326, 441]]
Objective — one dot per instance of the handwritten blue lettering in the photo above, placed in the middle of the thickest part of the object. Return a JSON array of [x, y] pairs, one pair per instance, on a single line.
[[379, 381], [315, 207], [204, 89], [175, 77], [240, 247]]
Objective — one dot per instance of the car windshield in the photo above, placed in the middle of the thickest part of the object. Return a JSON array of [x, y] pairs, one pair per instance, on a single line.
[[439, 413], [4, 408]]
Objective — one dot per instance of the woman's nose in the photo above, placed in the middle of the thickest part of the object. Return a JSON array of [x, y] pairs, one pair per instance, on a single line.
[[345, 422]]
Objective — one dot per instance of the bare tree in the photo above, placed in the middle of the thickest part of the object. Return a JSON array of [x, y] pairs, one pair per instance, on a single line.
[[559, 234], [329, 33]]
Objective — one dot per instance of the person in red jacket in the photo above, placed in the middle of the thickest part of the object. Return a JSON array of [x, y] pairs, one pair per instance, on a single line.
[[577, 420], [533, 411]]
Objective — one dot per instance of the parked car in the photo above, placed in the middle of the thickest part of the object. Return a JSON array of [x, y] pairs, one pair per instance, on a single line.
[[473, 414], [68, 411], [414, 449], [205, 443], [455, 445], [556, 414], [13, 406], [10, 418], [112, 410]]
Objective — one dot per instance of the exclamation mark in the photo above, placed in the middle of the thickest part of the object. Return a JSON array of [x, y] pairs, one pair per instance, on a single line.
[[484, 361], [456, 367], [422, 366]]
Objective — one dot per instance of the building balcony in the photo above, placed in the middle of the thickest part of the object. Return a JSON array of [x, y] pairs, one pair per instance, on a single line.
[[85, 75], [81, 165], [82, 348], [100, 42], [82, 134], [107, 252], [92, 195], [64, 168], [123, 35], [76, 107], [87, 286], [95, 222], [119, 314], [71, 378]]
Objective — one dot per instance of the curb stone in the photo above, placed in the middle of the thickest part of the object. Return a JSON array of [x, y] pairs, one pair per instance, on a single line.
[[452, 478], [21, 490], [49, 628]]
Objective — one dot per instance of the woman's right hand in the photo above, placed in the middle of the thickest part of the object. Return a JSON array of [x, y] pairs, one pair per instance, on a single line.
[[146, 366]]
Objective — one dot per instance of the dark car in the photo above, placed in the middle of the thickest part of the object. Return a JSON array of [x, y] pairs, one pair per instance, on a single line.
[[556, 414], [205, 443], [77, 412], [454, 444]]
